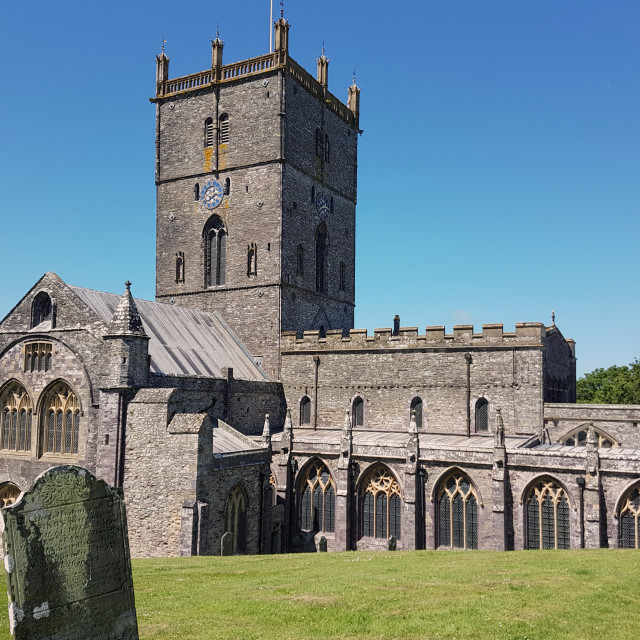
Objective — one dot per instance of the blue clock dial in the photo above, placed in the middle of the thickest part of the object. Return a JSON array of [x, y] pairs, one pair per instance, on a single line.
[[322, 206], [212, 194]]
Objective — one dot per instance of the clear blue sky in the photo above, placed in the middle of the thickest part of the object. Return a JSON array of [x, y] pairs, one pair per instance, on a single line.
[[498, 168]]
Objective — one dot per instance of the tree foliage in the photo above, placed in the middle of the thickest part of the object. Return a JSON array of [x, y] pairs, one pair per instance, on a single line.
[[615, 385]]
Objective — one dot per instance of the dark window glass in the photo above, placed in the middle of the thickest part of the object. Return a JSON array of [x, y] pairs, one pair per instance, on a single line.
[[367, 515], [482, 415], [305, 410], [358, 413], [416, 406]]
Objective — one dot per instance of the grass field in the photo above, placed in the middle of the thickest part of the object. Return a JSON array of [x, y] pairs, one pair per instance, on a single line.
[[433, 595]]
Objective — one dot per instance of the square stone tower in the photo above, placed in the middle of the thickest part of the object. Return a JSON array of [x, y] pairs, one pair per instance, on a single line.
[[256, 174]]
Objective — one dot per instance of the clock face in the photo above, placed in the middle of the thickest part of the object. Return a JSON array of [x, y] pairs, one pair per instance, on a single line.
[[322, 206], [212, 194]]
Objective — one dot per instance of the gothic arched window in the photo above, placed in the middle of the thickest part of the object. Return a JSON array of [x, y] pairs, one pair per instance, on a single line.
[[547, 512], [215, 251], [16, 418], [227, 186], [252, 259], [180, 266], [416, 405], [629, 520], [380, 505], [236, 519], [321, 258], [357, 412], [318, 143], [41, 309], [209, 133], [223, 129], [60, 420], [578, 438], [457, 513], [482, 415], [305, 410], [317, 499]]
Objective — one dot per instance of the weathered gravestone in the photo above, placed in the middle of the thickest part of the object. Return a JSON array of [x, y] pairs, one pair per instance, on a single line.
[[226, 544], [322, 545], [67, 560]]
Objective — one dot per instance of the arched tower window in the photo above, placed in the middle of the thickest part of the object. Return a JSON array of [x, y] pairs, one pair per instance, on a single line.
[[629, 520], [357, 412], [305, 410], [236, 519], [60, 420], [416, 405], [547, 512], [196, 192], [317, 499], [226, 190], [482, 415], [215, 251], [380, 505], [318, 143], [209, 133], [321, 258], [16, 418], [457, 513], [9, 493], [41, 309], [300, 261], [252, 259], [224, 128], [327, 154], [180, 266]]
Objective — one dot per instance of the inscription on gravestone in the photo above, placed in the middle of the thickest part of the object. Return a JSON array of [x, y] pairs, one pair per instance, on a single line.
[[67, 560]]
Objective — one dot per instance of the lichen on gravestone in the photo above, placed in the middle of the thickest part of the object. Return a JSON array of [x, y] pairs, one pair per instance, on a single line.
[[67, 560]]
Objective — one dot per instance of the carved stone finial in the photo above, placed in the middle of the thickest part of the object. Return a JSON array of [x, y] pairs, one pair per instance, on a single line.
[[163, 43], [266, 432], [553, 317], [592, 438], [354, 77], [128, 285], [282, 8]]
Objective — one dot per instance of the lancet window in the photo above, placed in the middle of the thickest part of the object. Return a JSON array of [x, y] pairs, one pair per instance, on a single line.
[[458, 513], [305, 410], [547, 510], [215, 245], [416, 406], [236, 519], [317, 499], [482, 415]]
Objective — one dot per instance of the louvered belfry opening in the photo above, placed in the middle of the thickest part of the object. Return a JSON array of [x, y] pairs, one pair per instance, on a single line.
[[215, 237], [209, 133], [224, 128]]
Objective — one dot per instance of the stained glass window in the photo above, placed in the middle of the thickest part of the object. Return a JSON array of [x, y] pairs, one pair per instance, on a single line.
[[458, 513]]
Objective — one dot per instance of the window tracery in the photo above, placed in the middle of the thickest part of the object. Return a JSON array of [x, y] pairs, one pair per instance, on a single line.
[[317, 499], [547, 510], [17, 418], [629, 519], [236, 519], [381, 505], [215, 245], [578, 438], [61, 421], [458, 513], [38, 356]]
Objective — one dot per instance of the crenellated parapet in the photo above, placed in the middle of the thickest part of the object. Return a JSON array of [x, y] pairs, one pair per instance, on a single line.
[[526, 334]]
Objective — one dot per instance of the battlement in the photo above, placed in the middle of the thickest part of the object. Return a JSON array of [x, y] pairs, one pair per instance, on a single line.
[[279, 59], [526, 334]]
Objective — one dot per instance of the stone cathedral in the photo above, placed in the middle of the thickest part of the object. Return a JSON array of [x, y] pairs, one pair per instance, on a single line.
[[242, 399]]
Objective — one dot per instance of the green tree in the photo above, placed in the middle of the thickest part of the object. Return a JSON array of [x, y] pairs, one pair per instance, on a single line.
[[615, 385]]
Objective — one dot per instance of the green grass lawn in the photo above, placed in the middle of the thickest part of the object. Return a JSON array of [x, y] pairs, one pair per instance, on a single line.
[[519, 595]]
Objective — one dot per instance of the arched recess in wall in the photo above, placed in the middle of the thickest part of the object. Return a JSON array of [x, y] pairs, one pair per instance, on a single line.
[[547, 514], [9, 493], [379, 504], [236, 518], [60, 411], [16, 417], [42, 310], [457, 511], [215, 251], [628, 513], [317, 491]]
